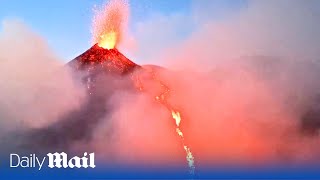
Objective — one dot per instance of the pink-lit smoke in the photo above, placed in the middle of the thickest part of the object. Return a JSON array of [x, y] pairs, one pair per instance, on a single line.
[[242, 84]]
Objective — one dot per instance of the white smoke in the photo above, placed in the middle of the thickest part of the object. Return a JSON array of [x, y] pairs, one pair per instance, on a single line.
[[36, 90]]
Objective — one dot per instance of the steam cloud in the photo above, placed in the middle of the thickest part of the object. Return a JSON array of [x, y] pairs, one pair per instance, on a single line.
[[243, 85]]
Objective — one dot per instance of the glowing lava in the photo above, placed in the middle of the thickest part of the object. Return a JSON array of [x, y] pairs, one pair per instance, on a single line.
[[108, 40], [176, 116], [98, 59], [109, 23]]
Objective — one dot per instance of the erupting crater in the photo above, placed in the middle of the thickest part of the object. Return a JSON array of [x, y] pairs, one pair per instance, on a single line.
[[111, 60], [98, 61]]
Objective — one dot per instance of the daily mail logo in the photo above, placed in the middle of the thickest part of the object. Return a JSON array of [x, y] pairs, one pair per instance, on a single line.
[[54, 160]]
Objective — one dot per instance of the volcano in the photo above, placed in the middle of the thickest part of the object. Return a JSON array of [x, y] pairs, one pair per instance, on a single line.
[[103, 60], [99, 67], [102, 72]]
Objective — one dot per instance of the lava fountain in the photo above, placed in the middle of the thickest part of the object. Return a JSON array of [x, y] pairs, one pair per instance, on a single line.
[[109, 24]]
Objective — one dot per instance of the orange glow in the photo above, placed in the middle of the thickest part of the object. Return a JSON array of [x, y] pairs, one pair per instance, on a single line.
[[176, 117], [109, 23], [162, 98], [108, 40]]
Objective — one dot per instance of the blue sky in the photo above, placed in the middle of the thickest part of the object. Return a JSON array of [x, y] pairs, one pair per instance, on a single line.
[[65, 24]]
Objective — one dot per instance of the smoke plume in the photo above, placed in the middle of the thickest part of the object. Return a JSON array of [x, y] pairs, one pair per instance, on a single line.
[[245, 85], [36, 90]]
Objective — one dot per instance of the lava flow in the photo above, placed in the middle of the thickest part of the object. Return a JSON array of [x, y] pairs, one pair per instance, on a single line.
[[162, 98], [98, 60], [104, 58]]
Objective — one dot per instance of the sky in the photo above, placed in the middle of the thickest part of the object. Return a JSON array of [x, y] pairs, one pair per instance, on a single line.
[[65, 24]]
